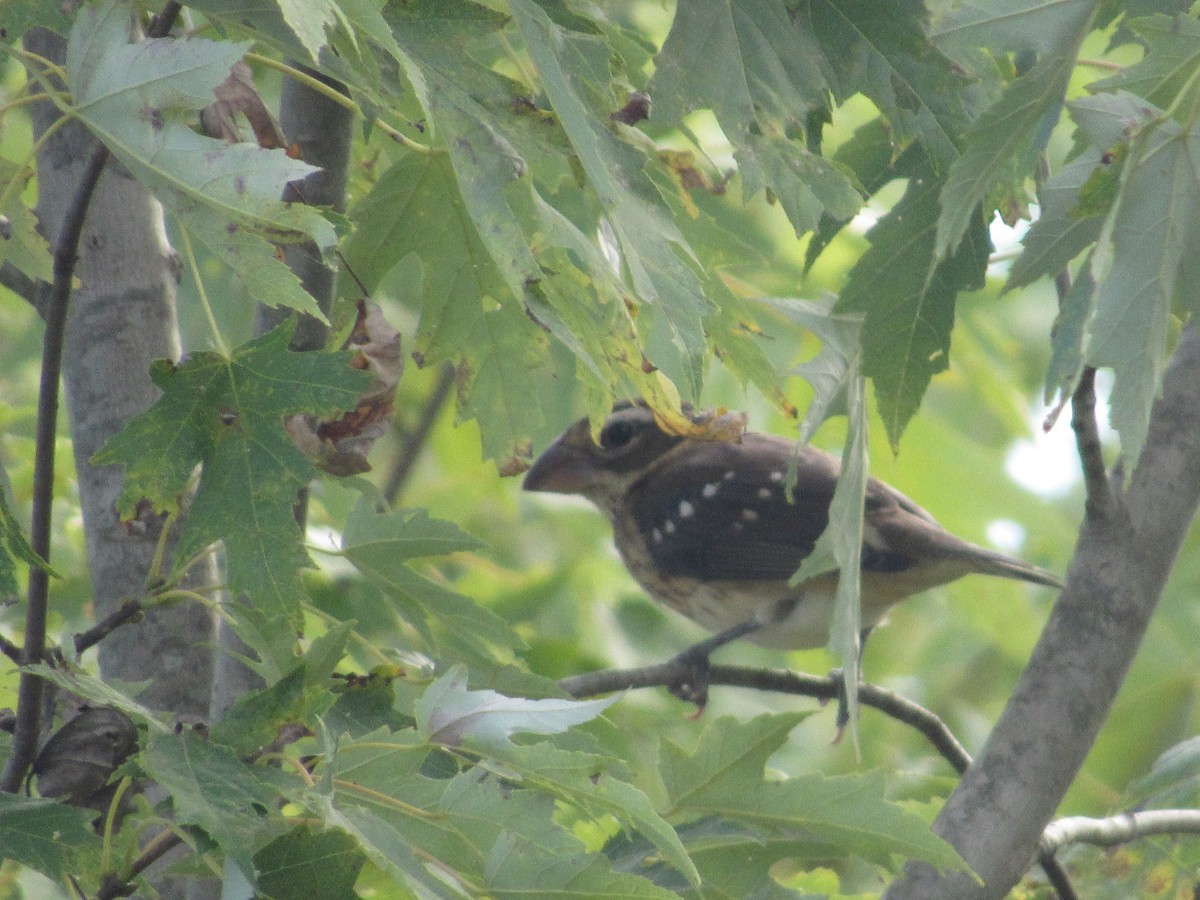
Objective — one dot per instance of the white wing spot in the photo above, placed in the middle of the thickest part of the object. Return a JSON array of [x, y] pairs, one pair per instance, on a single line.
[[764, 493], [729, 475], [669, 527], [657, 535], [776, 476], [749, 515], [686, 510], [710, 490]]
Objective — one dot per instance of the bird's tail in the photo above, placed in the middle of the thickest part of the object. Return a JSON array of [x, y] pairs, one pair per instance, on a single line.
[[988, 562]]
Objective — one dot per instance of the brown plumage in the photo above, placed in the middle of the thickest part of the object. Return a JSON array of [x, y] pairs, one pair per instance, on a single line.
[[706, 528]]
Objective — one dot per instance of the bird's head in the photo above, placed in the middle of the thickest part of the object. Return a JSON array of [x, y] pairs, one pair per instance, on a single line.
[[602, 468]]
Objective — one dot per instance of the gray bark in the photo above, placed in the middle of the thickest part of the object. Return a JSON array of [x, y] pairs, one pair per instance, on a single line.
[[122, 317], [996, 816]]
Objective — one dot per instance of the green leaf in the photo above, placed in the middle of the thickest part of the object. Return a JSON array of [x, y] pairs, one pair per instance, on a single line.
[[14, 545], [380, 544], [139, 99], [90, 687], [574, 68], [724, 777], [880, 49], [1171, 62], [771, 86], [1173, 779], [1152, 226], [768, 64], [309, 20], [833, 371], [1008, 136], [452, 715], [516, 870], [468, 312], [806, 185], [44, 835], [1045, 27], [21, 244], [213, 789], [1065, 227], [1070, 331], [870, 155], [299, 697], [306, 863], [227, 415], [909, 310], [726, 755], [483, 831], [840, 545]]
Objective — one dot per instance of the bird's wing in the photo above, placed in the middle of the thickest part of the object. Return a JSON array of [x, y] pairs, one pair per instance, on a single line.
[[719, 511]]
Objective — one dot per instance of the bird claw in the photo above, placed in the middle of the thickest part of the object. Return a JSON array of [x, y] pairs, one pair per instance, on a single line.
[[843, 704], [690, 680]]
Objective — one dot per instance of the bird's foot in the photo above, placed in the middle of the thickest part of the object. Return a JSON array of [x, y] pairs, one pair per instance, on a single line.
[[690, 677], [843, 705]]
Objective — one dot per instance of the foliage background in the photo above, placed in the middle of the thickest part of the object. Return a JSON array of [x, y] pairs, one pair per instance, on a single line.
[[548, 568]]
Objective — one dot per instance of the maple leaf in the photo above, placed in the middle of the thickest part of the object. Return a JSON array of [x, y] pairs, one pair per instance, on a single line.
[[226, 415]]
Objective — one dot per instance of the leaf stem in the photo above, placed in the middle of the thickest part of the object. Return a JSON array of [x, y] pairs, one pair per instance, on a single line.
[[190, 255]]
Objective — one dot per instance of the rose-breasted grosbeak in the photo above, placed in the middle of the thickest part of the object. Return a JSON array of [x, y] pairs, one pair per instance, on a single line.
[[706, 527]]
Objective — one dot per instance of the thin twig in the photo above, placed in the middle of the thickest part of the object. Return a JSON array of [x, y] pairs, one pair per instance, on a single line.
[[117, 886], [415, 437], [9, 649], [29, 691], [32, 290], [1091, 450], [129, 610], [1083, 403], [785, 682], [1120, 829], [30, 687]]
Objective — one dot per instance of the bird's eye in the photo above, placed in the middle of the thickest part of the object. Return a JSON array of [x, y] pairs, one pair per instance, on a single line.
[[617, 434]]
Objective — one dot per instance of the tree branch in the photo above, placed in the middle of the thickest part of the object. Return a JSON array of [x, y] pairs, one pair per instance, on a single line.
[[1121, 564], [29, 691], [414, 438], [1120, 829], [1091, 451], [128, 611], [827, 688], [11, 650], [31, 290], [785, 682]]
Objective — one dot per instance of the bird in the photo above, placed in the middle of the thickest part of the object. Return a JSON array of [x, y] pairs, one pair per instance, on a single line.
[[705, 520]]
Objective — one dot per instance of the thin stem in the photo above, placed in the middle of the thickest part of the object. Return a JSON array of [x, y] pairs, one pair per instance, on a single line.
[[9, 649], [415, 437], [188, 254], [29, 690], [30, 687], [1091, 450]]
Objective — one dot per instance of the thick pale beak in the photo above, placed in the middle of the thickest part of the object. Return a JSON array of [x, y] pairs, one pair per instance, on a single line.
[[561, 469]]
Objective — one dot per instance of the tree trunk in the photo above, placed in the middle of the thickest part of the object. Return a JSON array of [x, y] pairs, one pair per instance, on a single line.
[[122, 317], [996, 816]]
